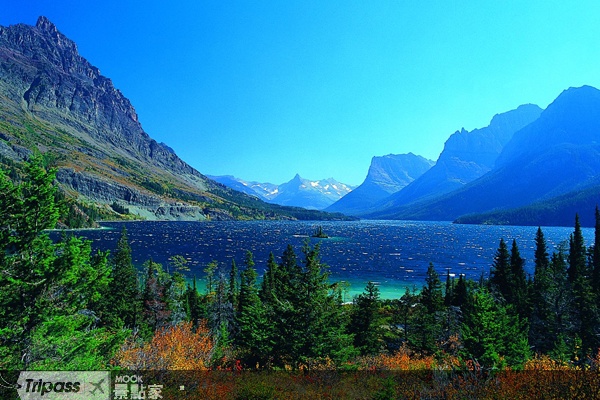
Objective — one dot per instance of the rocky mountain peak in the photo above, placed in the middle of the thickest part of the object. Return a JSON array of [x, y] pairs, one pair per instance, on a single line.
[[46, 25]]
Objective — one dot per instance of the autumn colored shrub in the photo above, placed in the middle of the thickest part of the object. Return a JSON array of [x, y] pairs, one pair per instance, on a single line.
[[178, 347]]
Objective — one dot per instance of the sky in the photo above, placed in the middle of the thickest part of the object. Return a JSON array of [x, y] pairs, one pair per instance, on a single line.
[[263, 90]]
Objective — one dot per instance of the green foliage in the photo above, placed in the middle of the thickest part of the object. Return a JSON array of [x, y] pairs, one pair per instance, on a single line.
[[492, 335], [367, 321], [44, 286], [121, 302], [72, 342], [255, 331], [500, 274], [118, 208]]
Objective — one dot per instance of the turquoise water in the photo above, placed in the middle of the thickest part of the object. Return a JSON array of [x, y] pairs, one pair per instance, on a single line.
[[395, 254]]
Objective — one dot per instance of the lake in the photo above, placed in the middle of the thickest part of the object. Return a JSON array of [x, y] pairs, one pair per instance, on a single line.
[[395, 254]]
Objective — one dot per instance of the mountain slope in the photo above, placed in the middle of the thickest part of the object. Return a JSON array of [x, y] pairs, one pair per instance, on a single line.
[[387, 175], [54, 102], [466, 157], [557, 211], [554, 155]]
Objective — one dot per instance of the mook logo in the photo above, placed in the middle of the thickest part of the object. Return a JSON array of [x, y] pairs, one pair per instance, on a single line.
[[93, 385]]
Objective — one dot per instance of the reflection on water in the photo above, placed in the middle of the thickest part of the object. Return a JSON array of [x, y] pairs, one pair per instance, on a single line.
[[394, 253]]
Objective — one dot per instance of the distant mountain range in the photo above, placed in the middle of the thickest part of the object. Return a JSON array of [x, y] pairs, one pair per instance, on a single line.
[[551, 163], [54, 102], [298, 192], [466, 157], [529, 166]]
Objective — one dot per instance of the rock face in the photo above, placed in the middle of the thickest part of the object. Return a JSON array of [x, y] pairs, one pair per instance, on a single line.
[[466, 157], [43, 71], [387, 175], [557, 154]]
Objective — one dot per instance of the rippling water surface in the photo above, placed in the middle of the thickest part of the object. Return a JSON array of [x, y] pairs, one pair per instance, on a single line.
[[393, 253]]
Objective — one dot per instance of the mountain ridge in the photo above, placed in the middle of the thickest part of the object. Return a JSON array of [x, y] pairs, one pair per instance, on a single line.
[[466, 156], [563, 156]]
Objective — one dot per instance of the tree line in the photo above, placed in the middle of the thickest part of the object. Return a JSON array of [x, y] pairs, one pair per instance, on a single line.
[[65, 306]]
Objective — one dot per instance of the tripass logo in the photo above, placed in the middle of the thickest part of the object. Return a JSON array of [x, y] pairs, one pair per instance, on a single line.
[[93, 385]]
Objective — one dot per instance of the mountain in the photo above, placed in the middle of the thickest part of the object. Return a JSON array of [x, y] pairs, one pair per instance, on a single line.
[[310, 194], [557, 211], [298, 192], [54, 102], [387, 175], [557, 154], [466, 157], [263, 191]]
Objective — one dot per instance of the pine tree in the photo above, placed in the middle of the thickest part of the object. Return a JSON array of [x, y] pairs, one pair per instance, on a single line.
[[269, 286], [233, 285], [254, 330], [460, 292], [195, 308], [517, 290], [155, 311], [585, 313], [540, 296], [492, 335], [367, 320], [427, 319], [123, 297], [577, 254], [449, 292], [500, 274]]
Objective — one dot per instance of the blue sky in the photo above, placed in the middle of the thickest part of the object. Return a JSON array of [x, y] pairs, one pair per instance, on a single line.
[[266, 89]]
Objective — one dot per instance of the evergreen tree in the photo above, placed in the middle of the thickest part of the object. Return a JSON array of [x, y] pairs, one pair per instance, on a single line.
[[492, 335], [431, 295], [210, 270], [428, 317], [367, 320], [269, 286], [221, 313], [577, 254], [46, 289], [460, 292], [27, 259], [517, 291], [254, 330], [321, 330], [540, 296], [449, 292], [500, 273], [233, 285], [154, 303], [195, 308], [558, 299], [123, 297], [584, 311]]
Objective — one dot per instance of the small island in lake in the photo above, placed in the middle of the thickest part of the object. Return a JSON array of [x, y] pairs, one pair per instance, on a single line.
[[318, 233]]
